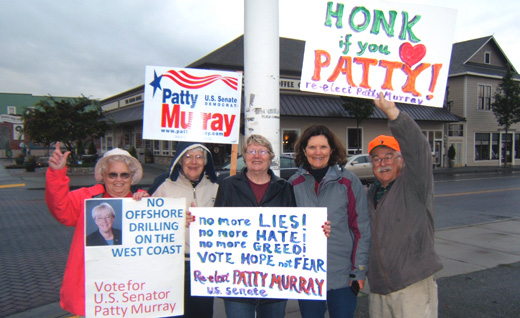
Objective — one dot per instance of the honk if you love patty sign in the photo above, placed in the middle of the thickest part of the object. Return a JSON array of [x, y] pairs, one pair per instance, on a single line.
[[361, 48], [192, 105]]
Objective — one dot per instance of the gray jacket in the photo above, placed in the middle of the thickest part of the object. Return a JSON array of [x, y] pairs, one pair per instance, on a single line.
[[402, 250], [344, 196]]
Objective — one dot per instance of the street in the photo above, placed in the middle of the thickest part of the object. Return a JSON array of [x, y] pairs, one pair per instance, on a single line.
[[476, 198], [35, 249]]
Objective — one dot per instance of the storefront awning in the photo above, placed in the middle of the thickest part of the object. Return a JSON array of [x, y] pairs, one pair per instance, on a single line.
[[331, 106]]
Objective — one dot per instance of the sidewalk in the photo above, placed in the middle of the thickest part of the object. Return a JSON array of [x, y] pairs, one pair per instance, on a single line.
[[462, 250]]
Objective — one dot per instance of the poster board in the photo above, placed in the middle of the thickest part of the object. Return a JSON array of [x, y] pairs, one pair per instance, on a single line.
[[259, 253], [142, 274], [192, 105], [360, 48]]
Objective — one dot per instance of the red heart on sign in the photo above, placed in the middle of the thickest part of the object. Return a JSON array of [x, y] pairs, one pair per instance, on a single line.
[[411, 54]]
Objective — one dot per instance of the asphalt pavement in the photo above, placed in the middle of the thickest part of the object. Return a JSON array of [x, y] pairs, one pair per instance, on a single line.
[[480, 276]]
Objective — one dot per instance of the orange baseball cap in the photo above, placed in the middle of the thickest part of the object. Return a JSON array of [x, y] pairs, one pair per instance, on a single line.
[[383, 140]]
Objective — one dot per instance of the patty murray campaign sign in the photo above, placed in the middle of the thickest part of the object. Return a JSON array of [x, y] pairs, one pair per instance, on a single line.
[[360, 48], [192, 105], [259, 253], [140, 272]]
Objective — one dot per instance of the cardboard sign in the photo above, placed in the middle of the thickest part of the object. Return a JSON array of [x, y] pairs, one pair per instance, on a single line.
[[192, 105], [360, 48], [259, 253], [141, 274]]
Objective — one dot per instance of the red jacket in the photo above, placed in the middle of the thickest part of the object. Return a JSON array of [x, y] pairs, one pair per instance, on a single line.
[[68, 208]]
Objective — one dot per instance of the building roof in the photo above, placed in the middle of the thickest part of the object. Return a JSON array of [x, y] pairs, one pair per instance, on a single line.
[[231, 57], [462, 52], [331, 106], [126, 114], [22, 101]]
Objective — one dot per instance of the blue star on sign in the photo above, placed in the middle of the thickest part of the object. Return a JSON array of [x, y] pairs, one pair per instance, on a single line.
[[156, 83]]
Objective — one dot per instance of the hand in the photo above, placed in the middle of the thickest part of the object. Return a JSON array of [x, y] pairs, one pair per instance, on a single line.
[[190, 217], [361, 283], [387, 107], [58, 160], [139, 195], [326, 228]]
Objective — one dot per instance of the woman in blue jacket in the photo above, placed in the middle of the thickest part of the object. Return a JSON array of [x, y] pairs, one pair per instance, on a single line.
[[322, 181]]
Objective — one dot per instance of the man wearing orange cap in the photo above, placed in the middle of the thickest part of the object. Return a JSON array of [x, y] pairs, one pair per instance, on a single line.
[[402, 255]]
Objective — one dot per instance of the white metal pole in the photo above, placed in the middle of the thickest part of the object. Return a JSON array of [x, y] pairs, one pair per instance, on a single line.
[[262, 73]]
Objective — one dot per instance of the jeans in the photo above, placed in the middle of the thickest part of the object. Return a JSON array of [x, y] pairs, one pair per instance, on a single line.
[[235, 309], [195, 306], [340, 302]]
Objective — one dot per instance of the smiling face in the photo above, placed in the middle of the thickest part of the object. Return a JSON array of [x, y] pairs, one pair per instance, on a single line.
[[386, 164], [318, 152], [117, 179], [104, 221], [193, 164], [257, 158]]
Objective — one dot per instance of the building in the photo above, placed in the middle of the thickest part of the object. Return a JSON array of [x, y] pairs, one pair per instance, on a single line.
[[297, 110], [13, 141], [12, 138], [476, 69]]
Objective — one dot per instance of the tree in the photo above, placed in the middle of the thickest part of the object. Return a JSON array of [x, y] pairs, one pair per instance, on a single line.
[[72, 121], [360, 109], [506, 106]]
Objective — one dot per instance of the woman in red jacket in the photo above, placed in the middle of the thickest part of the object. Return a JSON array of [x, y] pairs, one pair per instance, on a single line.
[[115, 172]]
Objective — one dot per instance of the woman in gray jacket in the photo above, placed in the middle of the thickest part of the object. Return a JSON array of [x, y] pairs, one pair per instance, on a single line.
[[322, 181]]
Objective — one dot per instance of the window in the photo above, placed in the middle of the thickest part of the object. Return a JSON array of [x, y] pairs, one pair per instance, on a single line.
[[517, 146], [17, 132], [354, 141], [156, 147], [148, 144], [487, 146], [11, 110], [456, 130], [434, 138], [126, 141], [487, 58], [289, 139], [484, 97], [481, 146], [109, 143], [166, 148], [287, 162], [495, 152]]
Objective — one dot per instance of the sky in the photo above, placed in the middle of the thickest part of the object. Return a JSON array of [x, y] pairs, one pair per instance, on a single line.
[[100, 48]]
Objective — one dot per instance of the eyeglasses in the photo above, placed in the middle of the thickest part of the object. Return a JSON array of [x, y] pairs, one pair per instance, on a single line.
[[254, 152], [387, 159], [101, 218], [188, 157], [124, 175]]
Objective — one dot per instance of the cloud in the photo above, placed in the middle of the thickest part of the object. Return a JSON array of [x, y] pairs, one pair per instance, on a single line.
[[100, 48]]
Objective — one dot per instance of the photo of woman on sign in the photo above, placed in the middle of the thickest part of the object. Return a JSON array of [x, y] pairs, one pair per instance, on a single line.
[[104, 217]]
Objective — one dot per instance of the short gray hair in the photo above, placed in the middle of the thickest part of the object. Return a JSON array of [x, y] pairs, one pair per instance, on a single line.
[[103, 207], [261, 140]]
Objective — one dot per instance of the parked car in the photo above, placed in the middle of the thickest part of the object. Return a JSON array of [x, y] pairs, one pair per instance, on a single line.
[[361, 165], [287, 167]]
